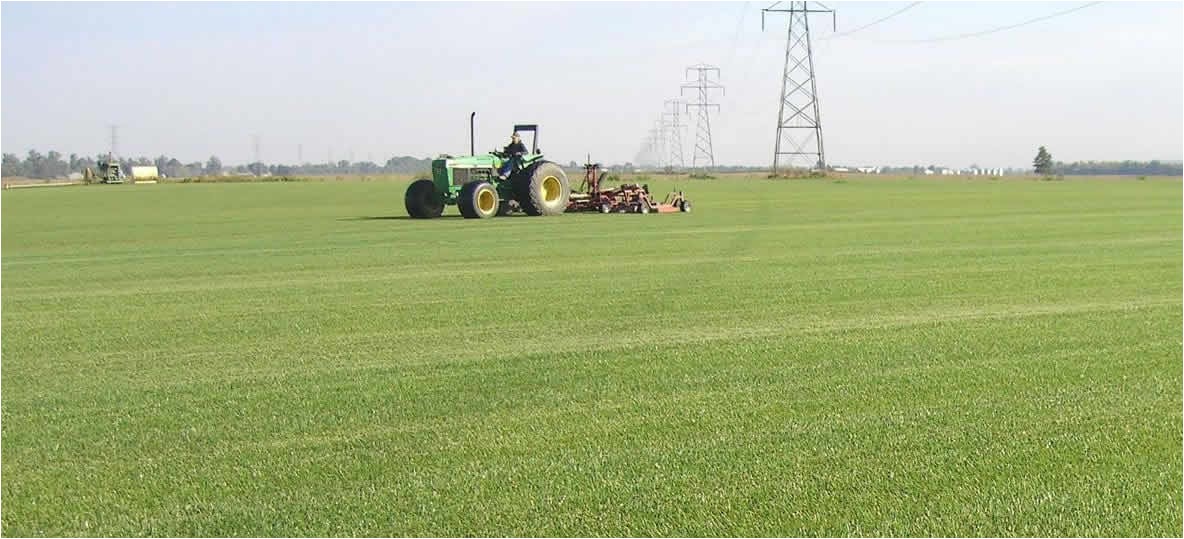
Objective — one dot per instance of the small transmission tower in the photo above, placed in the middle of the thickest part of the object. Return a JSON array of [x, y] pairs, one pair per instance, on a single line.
[[113, 153], [660, 143], [674, 124], [704, 155], [799, 125]]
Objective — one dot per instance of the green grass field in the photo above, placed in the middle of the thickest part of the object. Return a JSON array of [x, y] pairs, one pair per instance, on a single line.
[[859, 357]]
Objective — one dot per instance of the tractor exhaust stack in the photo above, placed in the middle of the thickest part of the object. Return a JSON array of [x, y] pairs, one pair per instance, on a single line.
[[472, 136]]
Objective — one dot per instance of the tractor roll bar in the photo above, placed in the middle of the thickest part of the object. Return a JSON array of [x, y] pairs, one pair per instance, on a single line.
[[530, 127]]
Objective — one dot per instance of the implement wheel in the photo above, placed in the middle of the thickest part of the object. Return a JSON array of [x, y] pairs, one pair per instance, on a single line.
[[478, 200], [422, 200], [542, 189]]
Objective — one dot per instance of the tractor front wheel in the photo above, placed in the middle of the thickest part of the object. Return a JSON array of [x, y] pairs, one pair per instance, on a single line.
[[422, 200], [542, 189], [478, 200]]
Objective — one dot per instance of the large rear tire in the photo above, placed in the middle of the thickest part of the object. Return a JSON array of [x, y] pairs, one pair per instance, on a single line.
[[542, 189], [422, 200], [478, 200]]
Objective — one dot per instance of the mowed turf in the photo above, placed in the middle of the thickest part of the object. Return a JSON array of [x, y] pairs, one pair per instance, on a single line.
[[864, 357]]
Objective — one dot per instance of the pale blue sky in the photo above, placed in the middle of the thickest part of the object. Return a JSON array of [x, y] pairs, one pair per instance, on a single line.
[[374, 80]]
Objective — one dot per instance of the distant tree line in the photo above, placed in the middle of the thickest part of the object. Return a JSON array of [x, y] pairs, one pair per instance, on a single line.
[[55, 165], [1119, 168], [394, 165]]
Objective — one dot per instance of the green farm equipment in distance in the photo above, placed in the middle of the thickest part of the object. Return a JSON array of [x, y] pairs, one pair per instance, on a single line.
[[104, 172], [534, 185]]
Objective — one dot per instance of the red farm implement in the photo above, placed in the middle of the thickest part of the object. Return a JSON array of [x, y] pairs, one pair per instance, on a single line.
[[626, 198]]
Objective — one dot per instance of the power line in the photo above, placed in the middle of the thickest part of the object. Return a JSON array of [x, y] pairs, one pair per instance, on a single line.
[[992, 30], [736, 34], [871, 24]]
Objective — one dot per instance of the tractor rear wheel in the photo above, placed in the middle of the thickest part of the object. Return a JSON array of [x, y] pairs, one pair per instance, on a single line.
[[422, 200], [685, 206], [478, 200], [542, 189]]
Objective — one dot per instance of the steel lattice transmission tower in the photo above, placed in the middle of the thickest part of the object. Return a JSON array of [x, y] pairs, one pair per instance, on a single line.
[[799, 124], [113, 154], [674, 125], [659, 132], [645, 152], [652, 155], [704, 153]]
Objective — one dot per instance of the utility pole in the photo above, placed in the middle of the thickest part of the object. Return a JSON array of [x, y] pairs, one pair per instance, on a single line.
[[799, 124], [704, 152], [675, 124]]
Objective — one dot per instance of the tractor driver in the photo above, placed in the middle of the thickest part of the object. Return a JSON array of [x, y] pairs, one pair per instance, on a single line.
[[514, 151]]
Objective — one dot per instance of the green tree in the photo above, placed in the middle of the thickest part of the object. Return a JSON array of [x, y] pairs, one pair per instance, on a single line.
[[174, 169], [34, 164], [12, 166], [1043, 161], [213, 166], [55, 166], [257, 168]]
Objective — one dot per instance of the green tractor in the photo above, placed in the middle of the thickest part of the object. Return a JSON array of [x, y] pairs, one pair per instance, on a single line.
[[108, 172], [534, 185]]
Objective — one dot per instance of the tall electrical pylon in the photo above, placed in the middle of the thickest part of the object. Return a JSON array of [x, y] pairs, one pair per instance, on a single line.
[[799, 124], [674, 126], [704, 155], [660, 142], [113, 153], [648, 154]]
